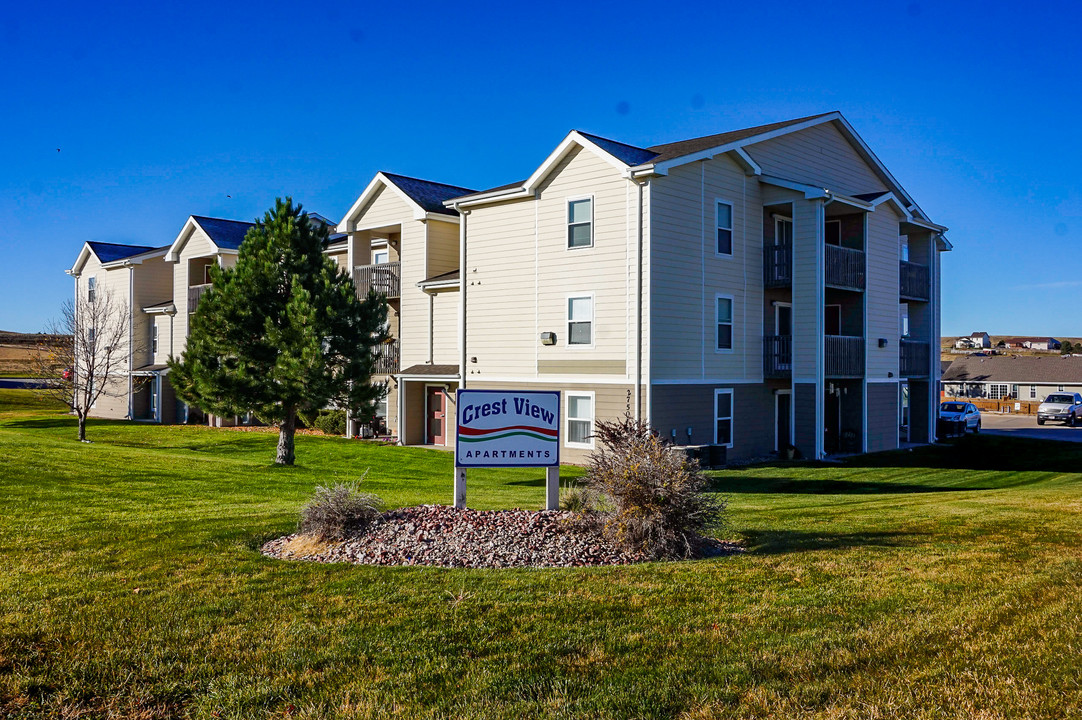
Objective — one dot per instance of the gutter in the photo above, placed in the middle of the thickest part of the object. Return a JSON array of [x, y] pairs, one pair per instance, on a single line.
[[464, 214]]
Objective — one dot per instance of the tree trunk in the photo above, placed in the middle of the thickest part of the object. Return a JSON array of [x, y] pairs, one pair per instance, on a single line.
[[82, 427], [285, 439]]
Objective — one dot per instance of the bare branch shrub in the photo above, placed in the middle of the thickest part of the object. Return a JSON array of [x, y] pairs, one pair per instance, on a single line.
[[647, 497], [339, 512], [86, 354]]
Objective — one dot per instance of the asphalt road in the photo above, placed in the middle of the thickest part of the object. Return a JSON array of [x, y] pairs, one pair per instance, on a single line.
[[1026, 426], [21, 383]]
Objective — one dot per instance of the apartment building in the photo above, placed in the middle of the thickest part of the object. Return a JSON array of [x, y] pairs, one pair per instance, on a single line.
[[758, 289]]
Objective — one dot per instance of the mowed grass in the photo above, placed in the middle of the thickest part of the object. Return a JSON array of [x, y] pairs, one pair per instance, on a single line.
[[944, 582]]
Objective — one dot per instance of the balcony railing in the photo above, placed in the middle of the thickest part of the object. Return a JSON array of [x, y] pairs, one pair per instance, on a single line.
[[778, 265], [383, 278], [844, 356], [386, 356], [844, 267], [777, 356], [194, 293], [914, 281], [913, 358]]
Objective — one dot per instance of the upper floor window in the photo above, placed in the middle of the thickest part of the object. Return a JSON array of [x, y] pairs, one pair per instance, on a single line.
[[580, 320], [91, 289], [379, 257], [903, 247], [725, 323], [724, 216], [153, 339], [580, 223], [903, 318], [783, 231]]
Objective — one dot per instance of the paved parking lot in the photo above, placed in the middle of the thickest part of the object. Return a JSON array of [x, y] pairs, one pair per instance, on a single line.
[[1026, 426]]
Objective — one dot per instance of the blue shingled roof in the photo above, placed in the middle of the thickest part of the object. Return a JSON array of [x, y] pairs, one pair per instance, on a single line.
[[429, 195], [627, 154], [226, 234], [108, 252]]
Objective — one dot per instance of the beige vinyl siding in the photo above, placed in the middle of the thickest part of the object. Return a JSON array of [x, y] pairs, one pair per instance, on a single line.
[[387, 207], [807, 290], [820, 156], [445, 328], [881, 295], [197, 245], [115, 284], [687, 273], [521, 272], [153, 284], [339, 257], [501, 287], [442, 247]]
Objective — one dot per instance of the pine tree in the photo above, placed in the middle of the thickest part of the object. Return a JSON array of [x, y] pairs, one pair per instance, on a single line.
[[282, 332]]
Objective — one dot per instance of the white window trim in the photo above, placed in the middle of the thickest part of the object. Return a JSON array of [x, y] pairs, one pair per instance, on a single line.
[[593, 320], [567, 222], [732, 413], [778, 219], [568, 394], [731, 228], [1032, 392], [732, 323]]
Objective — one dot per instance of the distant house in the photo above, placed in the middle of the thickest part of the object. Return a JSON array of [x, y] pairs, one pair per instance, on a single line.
[[976, 341], [1042, 344], [1023, 377]]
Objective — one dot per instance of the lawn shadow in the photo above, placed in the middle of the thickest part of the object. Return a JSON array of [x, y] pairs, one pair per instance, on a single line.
[[765, 485], [63, 421], [980, 452], [779, 542]]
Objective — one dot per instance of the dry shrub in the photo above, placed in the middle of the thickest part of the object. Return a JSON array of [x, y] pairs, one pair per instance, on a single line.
[[648, 497], [339, 512]]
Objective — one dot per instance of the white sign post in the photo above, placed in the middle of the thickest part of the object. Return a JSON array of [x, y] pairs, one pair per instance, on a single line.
[[508, 428]]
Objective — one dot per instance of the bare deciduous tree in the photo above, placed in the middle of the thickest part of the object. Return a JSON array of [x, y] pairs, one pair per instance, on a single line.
[[87, 351]]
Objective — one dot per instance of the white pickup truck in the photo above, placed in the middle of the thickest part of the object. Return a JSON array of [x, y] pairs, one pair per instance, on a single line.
[[1061, 406]]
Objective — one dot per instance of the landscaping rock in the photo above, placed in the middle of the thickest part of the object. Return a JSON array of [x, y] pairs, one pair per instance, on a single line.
[[443, 536]]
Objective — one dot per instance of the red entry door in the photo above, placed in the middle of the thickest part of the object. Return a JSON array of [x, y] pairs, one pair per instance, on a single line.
[[436, 429]]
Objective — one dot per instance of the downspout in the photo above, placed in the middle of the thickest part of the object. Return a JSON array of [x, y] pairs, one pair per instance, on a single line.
[[131, 338], [463, 214], [431, 323], [638, 301]]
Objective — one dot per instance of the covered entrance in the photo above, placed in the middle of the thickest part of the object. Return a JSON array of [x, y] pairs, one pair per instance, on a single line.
[[435, 415], [426, 405]]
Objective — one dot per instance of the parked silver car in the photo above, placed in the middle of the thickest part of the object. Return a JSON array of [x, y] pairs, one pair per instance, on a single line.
[[1061, 406], [961, 412]]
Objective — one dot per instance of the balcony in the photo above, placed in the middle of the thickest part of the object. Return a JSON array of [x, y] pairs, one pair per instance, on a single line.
[[914, 282], [383, 278], [844, 356], [778, 266], [777, 356], [844, 267], [913, 358], [195, 292], [386, 357]]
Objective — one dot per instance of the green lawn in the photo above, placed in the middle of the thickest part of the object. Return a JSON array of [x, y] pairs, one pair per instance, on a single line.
[[936, 583]]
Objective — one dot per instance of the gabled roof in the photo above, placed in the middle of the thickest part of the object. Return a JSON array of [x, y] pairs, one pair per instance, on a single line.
[[425, 197], [674, 150], [627, 154], [226, 234], [107, 253], [1022, 369]]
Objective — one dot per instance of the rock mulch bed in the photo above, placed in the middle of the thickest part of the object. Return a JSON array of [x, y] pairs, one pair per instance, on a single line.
[[444, 536]]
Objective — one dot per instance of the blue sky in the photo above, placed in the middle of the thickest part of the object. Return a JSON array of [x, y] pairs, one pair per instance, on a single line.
[[163, 110]]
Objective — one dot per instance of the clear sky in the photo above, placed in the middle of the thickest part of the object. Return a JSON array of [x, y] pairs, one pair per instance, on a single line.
[[120, 120]]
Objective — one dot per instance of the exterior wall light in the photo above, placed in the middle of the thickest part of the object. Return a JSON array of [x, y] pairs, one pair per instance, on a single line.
[[548, 338]]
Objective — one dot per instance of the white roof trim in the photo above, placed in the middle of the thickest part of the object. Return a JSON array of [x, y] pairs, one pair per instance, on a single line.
[[811, 192], [173, 255], [442, 285], [349, 222], [745, 161], [401, 376], [80, 261], [574, 138]]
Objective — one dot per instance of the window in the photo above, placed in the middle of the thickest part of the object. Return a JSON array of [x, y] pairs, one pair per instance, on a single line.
[[381, 407], [154, 398], [580, 223], [580, 419], [724, 222], [1014, 391], [783, 231], [997, 391], [379, 257], [91, 289], [723, 417], [904, 317], [580, 320], [91, 337], [903, 249], [153, 339], [1059, 389], [1032, 391], [725, 323]]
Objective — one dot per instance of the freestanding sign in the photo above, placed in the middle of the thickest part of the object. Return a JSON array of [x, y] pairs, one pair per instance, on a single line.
[[508, 428]]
